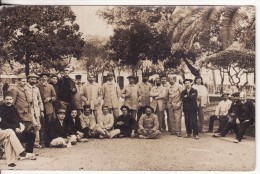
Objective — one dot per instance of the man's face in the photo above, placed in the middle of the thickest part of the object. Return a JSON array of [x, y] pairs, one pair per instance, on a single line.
[[73, 113], [198, 81], [87, 111], [172, 80], [105, 110], [145, 79], [66, 72], [225, 97], [163, 80], [78, 81], [61, 116], [131, 80], [8, 100], [110, 77], [91, 79], [187, 84], [44, 78], [32, 81], [124, 111], [242, 96], [148, 111], [22, 82], [54, 80]]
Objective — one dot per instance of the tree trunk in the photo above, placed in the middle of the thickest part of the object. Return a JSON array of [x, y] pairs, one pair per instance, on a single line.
[[193, 70], [27, 64]]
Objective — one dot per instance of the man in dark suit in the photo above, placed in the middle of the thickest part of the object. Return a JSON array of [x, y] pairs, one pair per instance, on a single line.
[[59, 137], [10, 119], [190, 108]]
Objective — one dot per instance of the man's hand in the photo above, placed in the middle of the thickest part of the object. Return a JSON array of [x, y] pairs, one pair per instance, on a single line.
[[42, 114], [0, 119], [17, 130], [47, 100], [120, 123], [237, 121]]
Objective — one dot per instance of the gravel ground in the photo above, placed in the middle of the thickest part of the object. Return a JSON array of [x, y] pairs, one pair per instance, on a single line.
[[169, 153]]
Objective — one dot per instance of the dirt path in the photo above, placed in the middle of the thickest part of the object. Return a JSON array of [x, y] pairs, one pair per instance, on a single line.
[[167, 153]]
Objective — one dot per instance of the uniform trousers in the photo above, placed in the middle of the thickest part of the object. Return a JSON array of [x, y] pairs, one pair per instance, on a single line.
[[191, 122]]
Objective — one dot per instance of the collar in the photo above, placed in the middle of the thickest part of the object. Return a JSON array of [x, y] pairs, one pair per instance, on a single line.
[[110, 83]]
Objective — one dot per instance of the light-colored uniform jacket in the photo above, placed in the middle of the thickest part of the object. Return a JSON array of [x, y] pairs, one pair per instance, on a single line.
[[130, 94], [22, 100], [91, 94], [37, 104], [159, 93], [111, 94], [46, 91], [174, 96], [77, 97], [144, 94], [87, 121], [203, 95], [105, 121]]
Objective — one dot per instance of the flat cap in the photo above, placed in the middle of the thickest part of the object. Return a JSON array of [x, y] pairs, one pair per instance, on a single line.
[[33, 76], [61, 111]]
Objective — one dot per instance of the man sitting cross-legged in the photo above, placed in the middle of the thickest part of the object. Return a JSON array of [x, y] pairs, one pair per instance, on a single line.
[[148, 125]]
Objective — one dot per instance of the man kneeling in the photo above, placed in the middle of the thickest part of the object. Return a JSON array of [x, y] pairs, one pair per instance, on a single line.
[[59, 136], [148, 125]]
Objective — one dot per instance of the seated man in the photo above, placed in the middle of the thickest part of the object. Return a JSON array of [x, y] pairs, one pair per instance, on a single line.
[[74, 127], [126, 123], [105, 124], [10, 119], [148, 125], [220, 113], [88, 123], [59, 137], [242, 113], [13, 147]]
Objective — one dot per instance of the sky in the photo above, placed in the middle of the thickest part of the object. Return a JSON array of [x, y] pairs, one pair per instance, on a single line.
[[89, 21]]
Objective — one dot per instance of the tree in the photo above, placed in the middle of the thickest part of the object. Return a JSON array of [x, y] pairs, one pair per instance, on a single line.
[[47, 35]]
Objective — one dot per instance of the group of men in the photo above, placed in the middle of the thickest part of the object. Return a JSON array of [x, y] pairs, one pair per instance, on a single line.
[[58, 112]]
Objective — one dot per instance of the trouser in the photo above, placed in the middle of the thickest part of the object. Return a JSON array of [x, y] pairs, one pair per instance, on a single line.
[[222, 122], [150, 134], [28, 138], [175, 120], [66, 106], [191, 122], [114, 111], [104, 132], [37, 131], [228, 127], [201, 118], [11, 144], [133, 113], [242, 129], [45, 128], [168, 120], [140, 112], [160, 115]]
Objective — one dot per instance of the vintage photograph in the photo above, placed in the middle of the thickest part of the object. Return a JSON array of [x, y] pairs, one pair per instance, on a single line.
[[128, 88]]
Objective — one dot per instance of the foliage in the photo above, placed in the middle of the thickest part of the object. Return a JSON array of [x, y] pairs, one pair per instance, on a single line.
[[43, 34]]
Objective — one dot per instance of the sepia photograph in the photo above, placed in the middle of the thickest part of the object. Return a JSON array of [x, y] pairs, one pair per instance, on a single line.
[[128, 87]]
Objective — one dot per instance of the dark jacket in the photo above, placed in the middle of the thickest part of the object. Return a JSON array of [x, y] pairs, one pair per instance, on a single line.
[[56, 130], [244, 111], [129, 125], [66, 84], [189, 100], [10, 117], [72, 127]]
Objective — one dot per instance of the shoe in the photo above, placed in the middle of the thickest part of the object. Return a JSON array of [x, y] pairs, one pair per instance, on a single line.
[[209, 132], [83, 140], [236, 141], [179, 135], [37, 146], [196, 137], [101, 137], [142, 137], [173, 133], [187, 136], [216, 135], [68, 144], [12, 165], [30, 156]]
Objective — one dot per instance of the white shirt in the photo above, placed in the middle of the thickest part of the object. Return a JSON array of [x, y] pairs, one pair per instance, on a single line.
[[223, 107]]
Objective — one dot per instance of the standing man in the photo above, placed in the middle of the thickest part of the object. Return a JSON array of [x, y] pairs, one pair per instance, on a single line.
[[174, 106], [54, 83], [111, 94], [130, 94], [158, 93], [22, 100], [166, 85], [48, 96], [67, 90], [144, 89], [77, 96], [92, 95], [190, 108], [37, 109]]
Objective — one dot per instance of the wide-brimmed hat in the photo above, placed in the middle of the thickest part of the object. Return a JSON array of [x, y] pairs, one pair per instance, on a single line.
[[21, 76], [124, 106], [61, 111], [189, 80], [235, 94], [33, 76]]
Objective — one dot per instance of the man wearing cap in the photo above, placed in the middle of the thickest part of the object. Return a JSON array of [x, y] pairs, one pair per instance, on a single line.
[[59, 136], [221, 113], [158, 93], [37, 109], [67, 90], [77, 96], [130, 94], [22, 100], [48, 96], [144, 89], [92, 95], [174, 106], [111, 94], [148, 125], [54, 83], [190, 108]]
